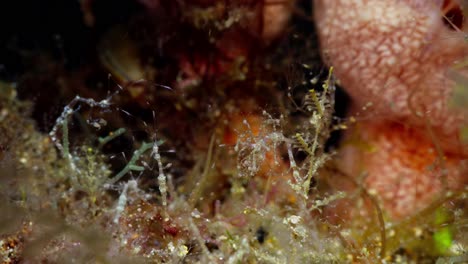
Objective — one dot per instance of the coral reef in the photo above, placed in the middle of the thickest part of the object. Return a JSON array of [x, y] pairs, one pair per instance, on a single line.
[[201, 131]]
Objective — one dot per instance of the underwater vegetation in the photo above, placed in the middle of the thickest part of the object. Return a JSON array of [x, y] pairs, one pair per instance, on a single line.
[[200, 131]]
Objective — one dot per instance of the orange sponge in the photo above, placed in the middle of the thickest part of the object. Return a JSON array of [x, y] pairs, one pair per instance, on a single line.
[[401, 167]]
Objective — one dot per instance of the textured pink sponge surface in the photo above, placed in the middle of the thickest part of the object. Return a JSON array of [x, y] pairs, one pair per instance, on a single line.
[[402, 168], [397, 58], [397, 55]]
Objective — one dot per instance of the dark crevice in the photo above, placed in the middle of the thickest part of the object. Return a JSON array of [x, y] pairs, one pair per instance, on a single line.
[[453, 16]]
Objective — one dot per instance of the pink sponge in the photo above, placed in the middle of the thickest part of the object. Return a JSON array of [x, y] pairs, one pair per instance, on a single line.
[[397, 59], [396, 56]]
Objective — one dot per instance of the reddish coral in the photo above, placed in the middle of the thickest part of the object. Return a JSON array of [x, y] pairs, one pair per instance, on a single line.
[[142, 227], [235, 30], [274, 14]]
